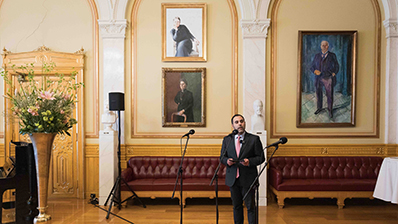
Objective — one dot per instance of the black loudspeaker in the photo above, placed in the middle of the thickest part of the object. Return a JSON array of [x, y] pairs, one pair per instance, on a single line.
[[116, 101]]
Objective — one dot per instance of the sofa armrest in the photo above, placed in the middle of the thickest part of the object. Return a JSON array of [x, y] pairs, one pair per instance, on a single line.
[[127, 174], [275, 177]]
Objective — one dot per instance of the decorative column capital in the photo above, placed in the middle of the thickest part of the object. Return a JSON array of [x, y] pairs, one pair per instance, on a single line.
[[391, 26], [255, 28], [113, 29]]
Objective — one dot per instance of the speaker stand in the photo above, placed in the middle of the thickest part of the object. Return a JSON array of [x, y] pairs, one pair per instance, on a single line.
[[115, 194]]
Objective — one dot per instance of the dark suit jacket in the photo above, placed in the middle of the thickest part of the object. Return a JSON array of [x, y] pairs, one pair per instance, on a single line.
[[251, 149], [327, 66], [185, 101]]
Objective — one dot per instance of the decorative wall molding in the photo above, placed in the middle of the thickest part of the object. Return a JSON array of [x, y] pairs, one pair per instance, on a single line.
[[275, 80], [43, 48], [133, 90], [391, 26], [255, 28], [2, 153], [172, 150], [383, 150], [92, 150], [113, 29], [129, 150]]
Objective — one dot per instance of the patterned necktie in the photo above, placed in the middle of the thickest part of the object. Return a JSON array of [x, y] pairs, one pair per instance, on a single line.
[[237, 148]]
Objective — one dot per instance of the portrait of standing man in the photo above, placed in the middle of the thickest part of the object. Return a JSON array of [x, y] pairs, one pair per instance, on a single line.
[[326, 79], [325, 67]]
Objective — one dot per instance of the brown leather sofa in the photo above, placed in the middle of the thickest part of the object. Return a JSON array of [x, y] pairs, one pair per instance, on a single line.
[[155, 177], [323, 177]]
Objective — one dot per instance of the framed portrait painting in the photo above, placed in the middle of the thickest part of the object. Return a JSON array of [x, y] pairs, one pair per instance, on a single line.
[[184, 32], [183, 100], [326, 78]]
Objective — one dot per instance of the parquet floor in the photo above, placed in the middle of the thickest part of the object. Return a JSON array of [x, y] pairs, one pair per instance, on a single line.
[[167, 211]]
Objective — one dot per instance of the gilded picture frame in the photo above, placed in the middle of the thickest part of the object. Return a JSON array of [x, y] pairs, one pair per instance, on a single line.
[[326, 79], [184, 97], [184, 32]]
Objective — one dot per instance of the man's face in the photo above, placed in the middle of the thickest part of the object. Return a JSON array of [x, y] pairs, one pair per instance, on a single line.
[[177, 23], [324, 46], [239, 124], [183, 86]]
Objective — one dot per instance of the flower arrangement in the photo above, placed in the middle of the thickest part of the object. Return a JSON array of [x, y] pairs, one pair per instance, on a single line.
[[42, 108]]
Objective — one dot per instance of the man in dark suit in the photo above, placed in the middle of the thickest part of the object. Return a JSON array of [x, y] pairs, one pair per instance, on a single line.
[[183, 37], [243, 155], [184, 100], [325, 67]]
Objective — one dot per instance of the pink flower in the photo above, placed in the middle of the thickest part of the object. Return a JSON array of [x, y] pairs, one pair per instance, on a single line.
[[62, 111], [67, 97], [47, 95], [16, 111], [33, 112]]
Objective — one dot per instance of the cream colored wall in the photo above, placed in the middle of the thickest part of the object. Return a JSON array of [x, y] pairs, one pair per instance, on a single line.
[[147, 74], [326, 15], [63, 26]]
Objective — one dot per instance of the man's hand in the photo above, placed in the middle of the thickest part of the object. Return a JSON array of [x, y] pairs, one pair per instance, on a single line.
[[317, 72], [230, 162], [245, 162], [334, 74], [181, 112]]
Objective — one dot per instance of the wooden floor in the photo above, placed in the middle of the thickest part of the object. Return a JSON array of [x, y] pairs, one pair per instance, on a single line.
[[164, 211]]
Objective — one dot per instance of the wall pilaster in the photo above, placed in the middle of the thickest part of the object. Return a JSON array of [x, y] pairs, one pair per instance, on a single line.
[[254, 33], [391, 112], [113, 33]]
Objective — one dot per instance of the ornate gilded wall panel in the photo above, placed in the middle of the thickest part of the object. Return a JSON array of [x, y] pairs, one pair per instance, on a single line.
[[67, 154], [64, 175]]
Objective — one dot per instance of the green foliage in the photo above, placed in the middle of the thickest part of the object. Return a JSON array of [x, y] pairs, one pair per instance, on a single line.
[[42, 109]]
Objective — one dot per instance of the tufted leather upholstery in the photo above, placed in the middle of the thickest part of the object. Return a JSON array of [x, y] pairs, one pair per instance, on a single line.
[[324, 173], [159, 173]]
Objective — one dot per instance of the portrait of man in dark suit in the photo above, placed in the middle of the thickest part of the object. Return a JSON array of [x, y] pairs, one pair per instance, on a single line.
[[243, 155], [327, 71], [184, 100], [183, 97], [325, 67]]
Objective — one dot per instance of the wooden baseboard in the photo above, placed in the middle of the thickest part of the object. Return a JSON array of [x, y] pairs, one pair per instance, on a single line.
[[340, 195], [167, 194]]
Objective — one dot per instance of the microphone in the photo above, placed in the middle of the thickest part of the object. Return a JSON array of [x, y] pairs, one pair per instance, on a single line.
[[234, 132], [282, 140], [191, 132]]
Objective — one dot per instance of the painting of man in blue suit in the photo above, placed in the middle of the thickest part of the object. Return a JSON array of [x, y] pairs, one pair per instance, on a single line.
[[325, 67], [327, 71]]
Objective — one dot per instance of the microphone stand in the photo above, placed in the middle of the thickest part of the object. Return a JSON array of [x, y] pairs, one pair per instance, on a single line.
[[215, 177], [179, 174], [255, 182]]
